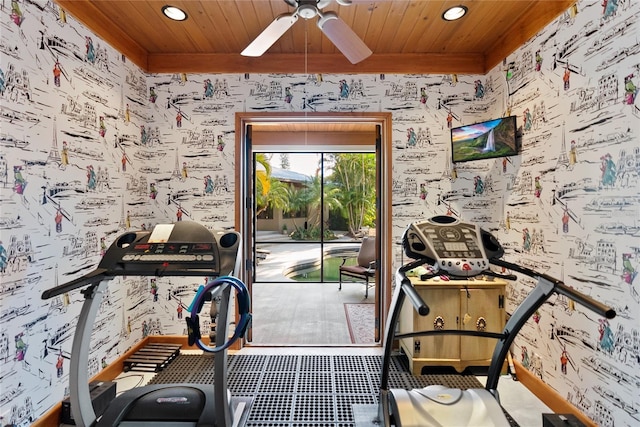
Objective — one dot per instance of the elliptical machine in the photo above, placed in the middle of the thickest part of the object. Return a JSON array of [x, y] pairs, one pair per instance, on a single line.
[[181, 249], [459, 250]]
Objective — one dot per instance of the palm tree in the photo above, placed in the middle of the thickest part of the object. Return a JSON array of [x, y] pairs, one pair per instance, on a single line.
[[320, 197], [312, 198], [263, 174], [297, 203], [355, 176], [270, 192], [277, 196]]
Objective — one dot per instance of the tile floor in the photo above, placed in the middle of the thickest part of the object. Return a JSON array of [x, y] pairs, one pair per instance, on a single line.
[[303, 313], [309, 319], [515, 398], [523, 406]]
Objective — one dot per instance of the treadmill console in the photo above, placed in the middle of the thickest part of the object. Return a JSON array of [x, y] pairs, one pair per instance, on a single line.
[[461, 249], [184, 248]]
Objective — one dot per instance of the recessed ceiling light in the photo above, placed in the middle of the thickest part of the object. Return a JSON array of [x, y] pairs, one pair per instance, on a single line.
[[454, 13], [174, 13]]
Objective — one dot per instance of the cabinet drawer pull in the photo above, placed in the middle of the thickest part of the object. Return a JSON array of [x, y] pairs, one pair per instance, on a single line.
[[438, 323], [481, 324]]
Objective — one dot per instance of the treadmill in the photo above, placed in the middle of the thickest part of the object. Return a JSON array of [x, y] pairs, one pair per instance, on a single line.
[[184, 248], [454, 249]]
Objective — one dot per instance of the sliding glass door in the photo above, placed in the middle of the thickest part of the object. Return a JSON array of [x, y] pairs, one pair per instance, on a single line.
[[293, 250], [311, 212]]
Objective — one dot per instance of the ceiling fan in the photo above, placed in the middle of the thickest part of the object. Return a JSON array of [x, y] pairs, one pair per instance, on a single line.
[[343, 37]]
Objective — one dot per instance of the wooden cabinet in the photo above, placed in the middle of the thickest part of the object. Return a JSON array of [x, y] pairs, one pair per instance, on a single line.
[[455, 304]]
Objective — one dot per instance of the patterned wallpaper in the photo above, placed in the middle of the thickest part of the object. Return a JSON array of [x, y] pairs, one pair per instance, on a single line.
[[91, 146], [569, 206]]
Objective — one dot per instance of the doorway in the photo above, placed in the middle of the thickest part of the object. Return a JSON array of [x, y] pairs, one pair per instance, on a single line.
[[308, 311]]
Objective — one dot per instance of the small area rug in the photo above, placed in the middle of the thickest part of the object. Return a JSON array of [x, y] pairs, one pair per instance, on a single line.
[[360, 320]]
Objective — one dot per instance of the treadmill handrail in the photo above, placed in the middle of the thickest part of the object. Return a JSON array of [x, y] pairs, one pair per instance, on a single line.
[[416, 300], [93, 277], [560, 287]]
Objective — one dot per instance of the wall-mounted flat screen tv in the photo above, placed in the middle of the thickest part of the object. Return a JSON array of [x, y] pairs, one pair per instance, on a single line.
[[485, 140]]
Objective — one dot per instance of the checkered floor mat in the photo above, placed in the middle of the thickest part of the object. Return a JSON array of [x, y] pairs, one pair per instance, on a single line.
[[305, 390]]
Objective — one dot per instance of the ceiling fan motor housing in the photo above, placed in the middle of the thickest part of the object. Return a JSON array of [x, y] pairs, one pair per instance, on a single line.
[[307, 9], [318, 3]]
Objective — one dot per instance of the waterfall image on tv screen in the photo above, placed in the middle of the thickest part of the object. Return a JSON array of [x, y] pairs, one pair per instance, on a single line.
[[485, 140]]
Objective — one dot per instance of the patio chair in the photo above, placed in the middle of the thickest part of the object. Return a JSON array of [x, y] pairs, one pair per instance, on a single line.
[[366, 265]]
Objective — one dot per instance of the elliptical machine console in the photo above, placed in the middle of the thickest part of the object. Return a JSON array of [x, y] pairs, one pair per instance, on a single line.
[[458, 250], [181, 249]]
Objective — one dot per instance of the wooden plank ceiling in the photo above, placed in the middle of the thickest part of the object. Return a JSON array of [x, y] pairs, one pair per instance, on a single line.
[[405, 36]]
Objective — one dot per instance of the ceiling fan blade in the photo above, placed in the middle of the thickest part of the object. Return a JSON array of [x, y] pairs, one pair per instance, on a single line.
[[270, 35], [345, 39]]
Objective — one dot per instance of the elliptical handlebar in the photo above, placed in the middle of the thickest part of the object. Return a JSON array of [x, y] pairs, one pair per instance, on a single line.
[[416, 300], [418, 303]]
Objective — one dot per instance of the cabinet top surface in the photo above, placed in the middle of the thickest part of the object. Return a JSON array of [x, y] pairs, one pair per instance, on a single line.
[[472, 283]]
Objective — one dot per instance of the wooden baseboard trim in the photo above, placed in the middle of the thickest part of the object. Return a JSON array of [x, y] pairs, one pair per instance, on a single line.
[[549, 396], [182, 340], [52, 416]]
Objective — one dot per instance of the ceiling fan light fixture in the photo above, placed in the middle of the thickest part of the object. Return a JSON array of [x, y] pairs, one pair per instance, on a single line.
[[454, 13], [174, 13]]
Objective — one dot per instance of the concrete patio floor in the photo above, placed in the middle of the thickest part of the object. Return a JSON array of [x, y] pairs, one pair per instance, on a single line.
[[287, 312]]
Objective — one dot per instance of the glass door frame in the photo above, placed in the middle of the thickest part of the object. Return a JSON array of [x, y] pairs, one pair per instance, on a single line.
[[244, 201]]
